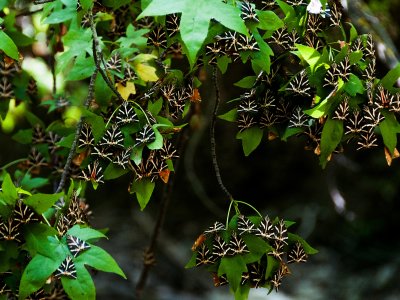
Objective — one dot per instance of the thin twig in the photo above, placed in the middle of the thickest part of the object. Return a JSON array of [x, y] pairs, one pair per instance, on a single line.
[[212, 136], [42, 1], [166, 197], [98, 58], [67, 166]]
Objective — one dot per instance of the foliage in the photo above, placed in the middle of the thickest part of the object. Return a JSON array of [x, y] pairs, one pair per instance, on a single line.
[[126, 79]]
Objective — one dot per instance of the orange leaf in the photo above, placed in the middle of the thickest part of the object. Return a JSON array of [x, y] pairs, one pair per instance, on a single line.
[[164, 175]]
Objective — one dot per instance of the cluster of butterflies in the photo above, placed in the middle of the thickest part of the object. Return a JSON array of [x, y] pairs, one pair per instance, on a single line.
[[12, 229], [277, 100], [45, 154], [67, 268], [76, 212], [111, 147], [218, 242]]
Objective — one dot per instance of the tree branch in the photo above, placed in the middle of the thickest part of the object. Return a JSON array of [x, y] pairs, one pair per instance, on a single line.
[[67, 166], [149, 259], [212, 136]]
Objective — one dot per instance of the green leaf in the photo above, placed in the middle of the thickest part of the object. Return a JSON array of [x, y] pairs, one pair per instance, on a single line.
[[391, 77], [269, 20], [143, 189], [290, 13], [86, 4], [10, 194], [112, 172], [272, 265], [290, 131], [83, 68], [246, 82], [82, 287], [158, 142], [30, 183], [257, 247], [155, 107], [309, 54], [36, 273], [42, 202], [389, 129], [223, 62], [251, 138], [242, 293], [195, 19], [331, 136], [9, 252], [62, 15], [99, 259], [96, 123], [233, 267], [307, 248], [66, 141], [354, 86], [78, 42], [261, 60], [355, 57], [36, 236], [192, 262], [85, 233], [133, 37], [23, 136], [33, 120], [8, 46], [353, 32], [230, 116], [320, 110]]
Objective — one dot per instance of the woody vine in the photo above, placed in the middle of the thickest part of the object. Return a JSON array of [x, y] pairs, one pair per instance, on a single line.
[[142, 65]]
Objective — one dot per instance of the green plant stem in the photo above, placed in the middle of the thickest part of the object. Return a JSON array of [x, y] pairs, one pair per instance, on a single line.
[[212, 137], [249, 205], [12, 163], [77, 134]]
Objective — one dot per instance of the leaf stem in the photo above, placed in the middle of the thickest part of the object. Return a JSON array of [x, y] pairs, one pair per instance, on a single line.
[[249, 205], [12, 163]]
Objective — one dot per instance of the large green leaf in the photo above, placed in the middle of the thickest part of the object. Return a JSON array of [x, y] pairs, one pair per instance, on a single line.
[[82, 287], [10, 194], [143, 189], [42, 202], [83, 68], [78, 41], [251, 138], [195, 19], [354, 86], [112, 172], [307, 248], [309, 54], [389, 129], [62, 13], [85, 233], [229, 116], [391, 77], [233, 267], [269, 20], [8, 46], [99, 259], [41, 239], [257, 247], [36, 273], [331, 136]]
